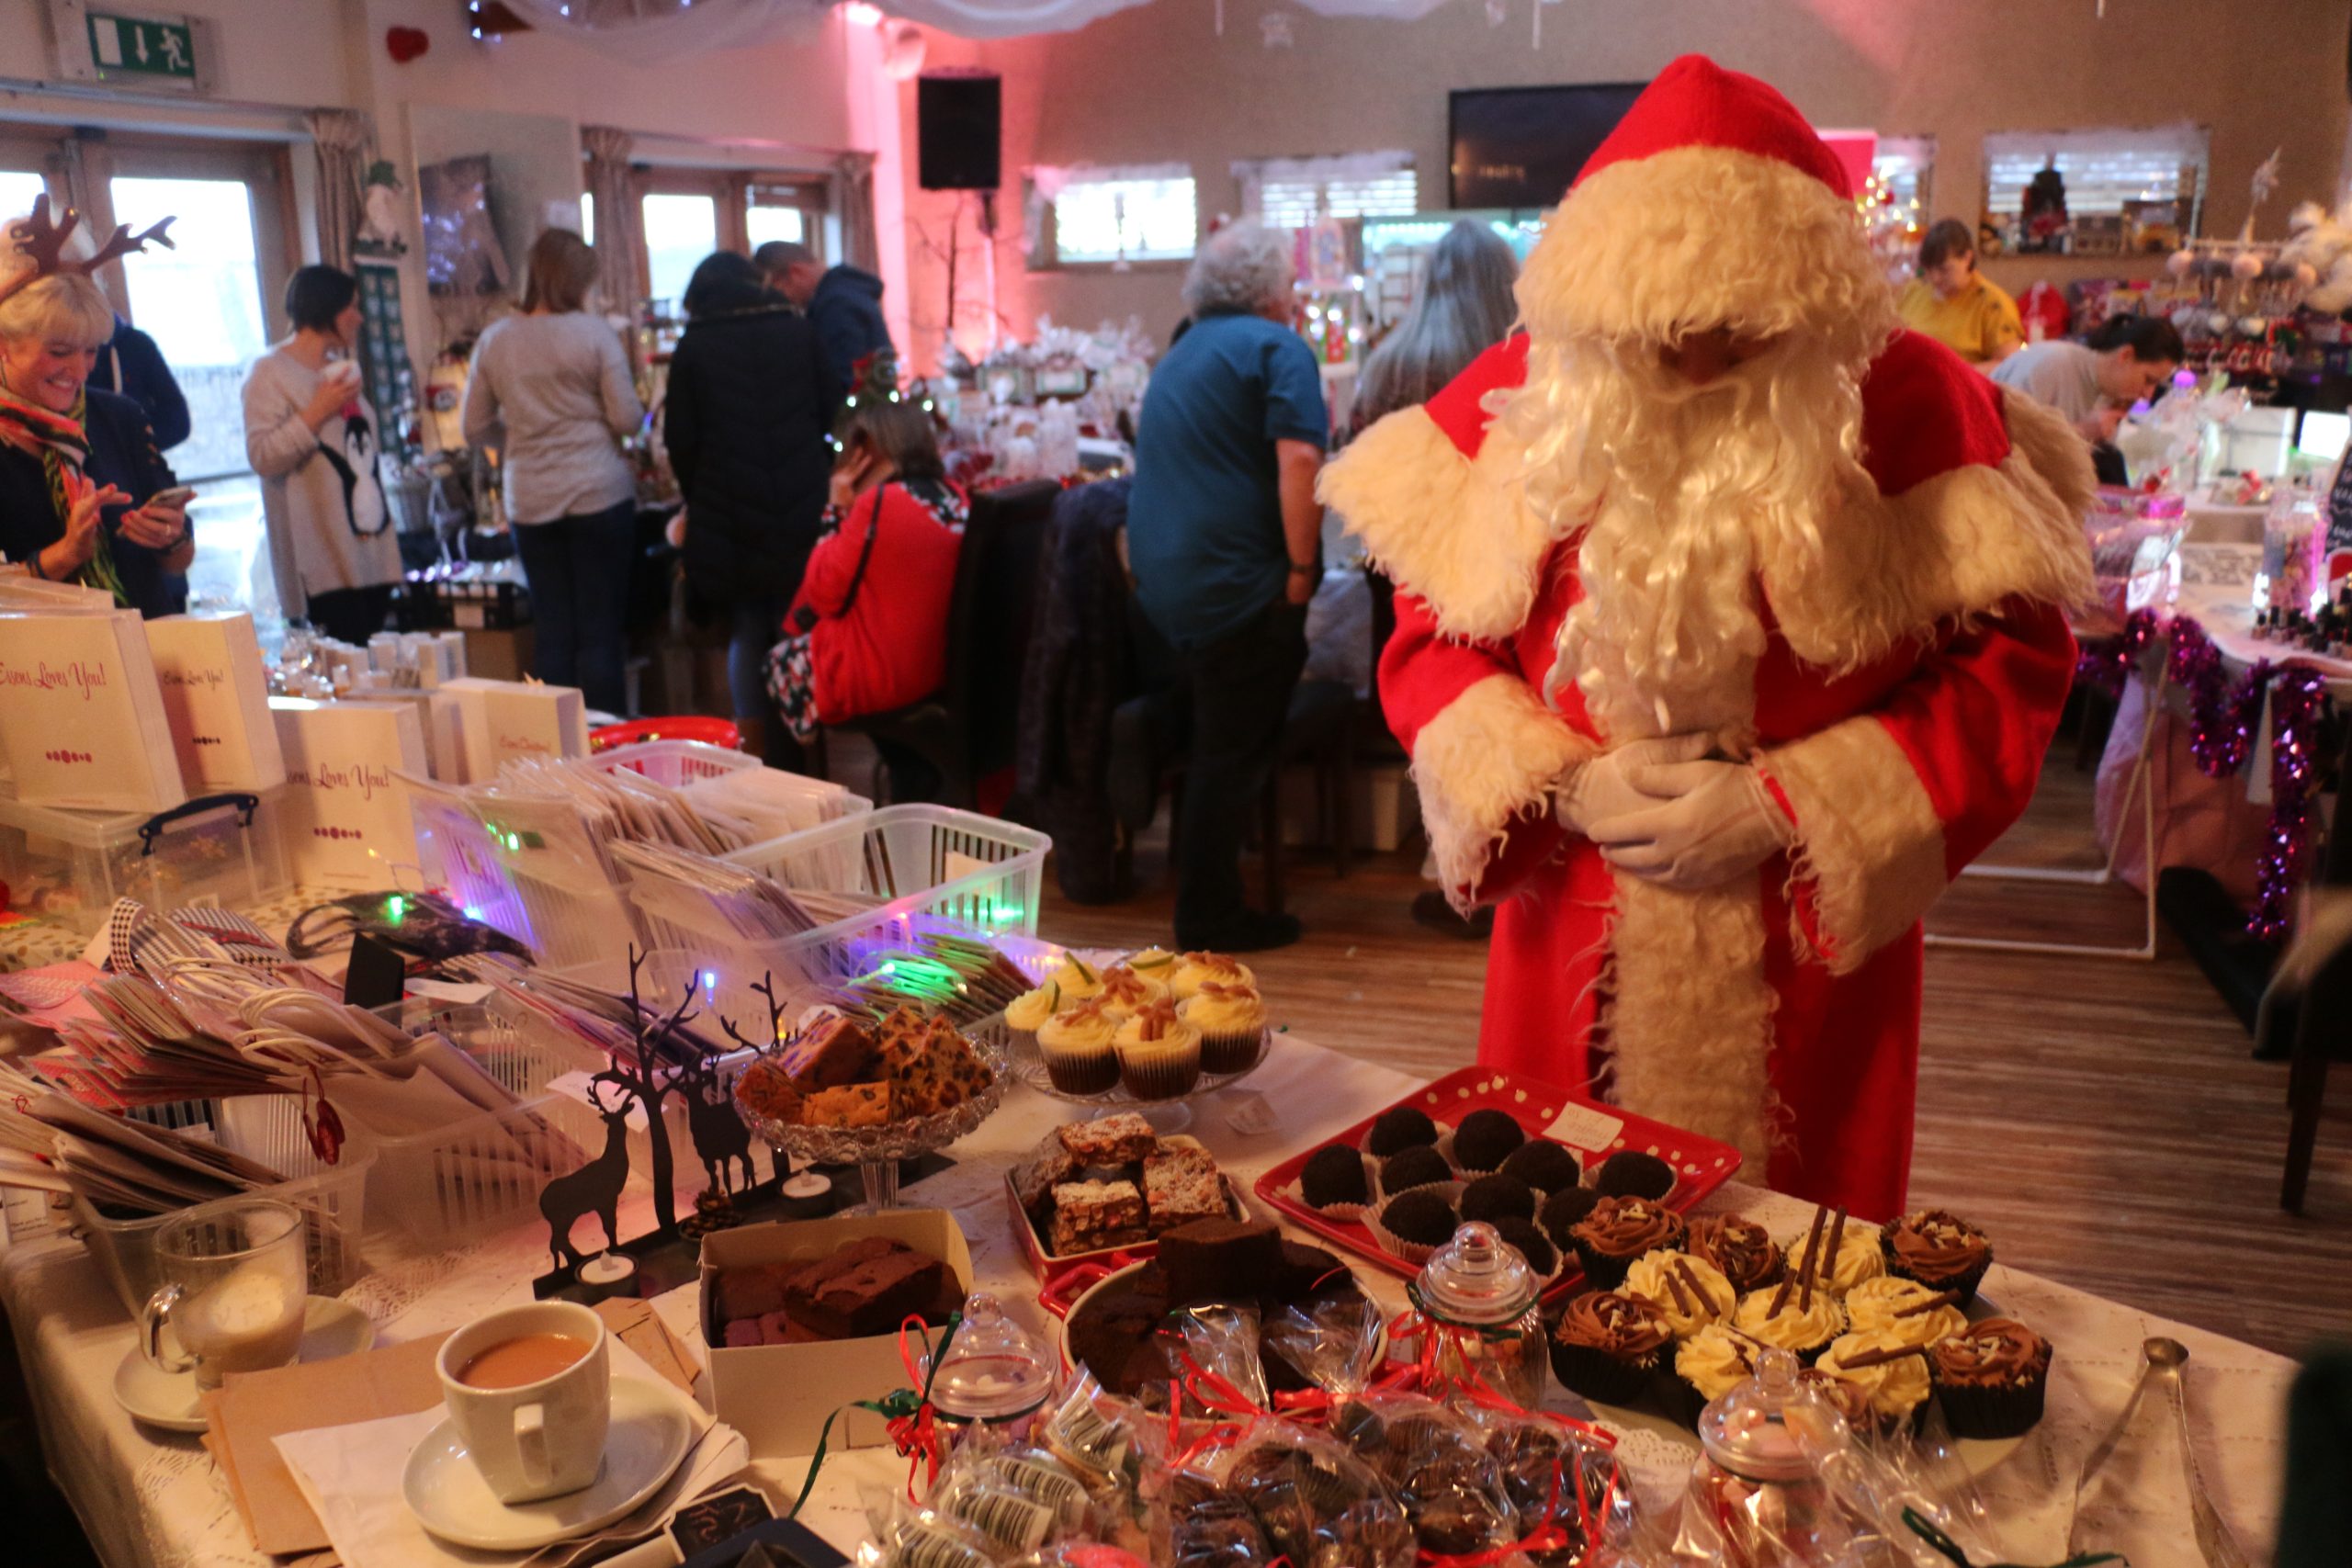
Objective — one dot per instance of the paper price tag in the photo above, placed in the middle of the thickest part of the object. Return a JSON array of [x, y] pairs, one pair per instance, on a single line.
[[1585, 1127], [1249, 1113]]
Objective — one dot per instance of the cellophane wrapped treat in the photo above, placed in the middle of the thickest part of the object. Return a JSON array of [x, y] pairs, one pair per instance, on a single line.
[[1571, 1497], [1436, 1462], [1280, 1491], [1221, 1342], [1331, 1344]]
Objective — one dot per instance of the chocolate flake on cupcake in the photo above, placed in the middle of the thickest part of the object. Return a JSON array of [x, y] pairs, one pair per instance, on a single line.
[[1941, 1251], [1857, 1257], [1543, 1165], [1333, 1176], [1631, 1173], [1799, 1314], [1905, 1308], [1498, 1197], [1743, 1250], [1400, 1128], [1991, 1378], [1709, 1364], [1607, 1347], [1892, 1371], [1414, 1168], [1688, 1292], [1483, 1139], [1618, 1230]]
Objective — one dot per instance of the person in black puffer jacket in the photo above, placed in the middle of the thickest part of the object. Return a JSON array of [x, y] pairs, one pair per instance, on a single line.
[[746, 419]]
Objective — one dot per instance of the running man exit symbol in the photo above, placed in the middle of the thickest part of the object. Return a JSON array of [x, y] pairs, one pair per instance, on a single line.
[[140, 46]]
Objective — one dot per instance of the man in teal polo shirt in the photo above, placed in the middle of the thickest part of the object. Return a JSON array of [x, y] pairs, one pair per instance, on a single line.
[[1222, 535]]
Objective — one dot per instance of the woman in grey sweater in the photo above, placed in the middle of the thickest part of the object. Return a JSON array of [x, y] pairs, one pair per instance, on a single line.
[[551, 388]]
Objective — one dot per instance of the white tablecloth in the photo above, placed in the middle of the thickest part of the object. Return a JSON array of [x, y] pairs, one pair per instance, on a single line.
[[150, 1500]]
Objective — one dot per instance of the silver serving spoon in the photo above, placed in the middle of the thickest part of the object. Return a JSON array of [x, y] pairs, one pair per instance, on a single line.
[[2159, 1363]]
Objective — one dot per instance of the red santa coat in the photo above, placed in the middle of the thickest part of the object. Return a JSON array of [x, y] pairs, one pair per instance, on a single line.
[[1911, 682]]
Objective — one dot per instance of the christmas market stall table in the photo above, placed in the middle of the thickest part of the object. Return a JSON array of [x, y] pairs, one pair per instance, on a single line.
[[150, 1500]]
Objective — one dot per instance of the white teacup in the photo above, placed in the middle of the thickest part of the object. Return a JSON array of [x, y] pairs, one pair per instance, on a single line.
[[532, 1436]]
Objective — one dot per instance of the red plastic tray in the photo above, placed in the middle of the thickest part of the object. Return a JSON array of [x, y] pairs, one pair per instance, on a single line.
[[1701, 1165]]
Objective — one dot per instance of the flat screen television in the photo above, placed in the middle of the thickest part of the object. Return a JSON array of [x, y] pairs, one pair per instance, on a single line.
[[1520, 147]]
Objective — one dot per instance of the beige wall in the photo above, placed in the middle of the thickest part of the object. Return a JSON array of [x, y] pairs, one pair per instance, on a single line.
[[1155, 84]]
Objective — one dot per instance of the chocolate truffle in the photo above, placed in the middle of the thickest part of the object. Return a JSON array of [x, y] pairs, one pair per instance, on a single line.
[[1629, 1173], [1413, 1167], [1483, 1139], [1402, 1128], [1543, 1165], [1529, 1238], [1424, 1219], [1498, 1197], [1563, 1209], [1334, 1174]]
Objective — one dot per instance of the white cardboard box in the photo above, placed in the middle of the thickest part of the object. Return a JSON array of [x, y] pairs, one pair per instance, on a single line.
[[216, 696], [347, 820], [778, 1396], [505, 721], [80, 716]]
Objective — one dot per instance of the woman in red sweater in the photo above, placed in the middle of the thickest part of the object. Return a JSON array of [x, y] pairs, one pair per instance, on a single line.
[[868, 631]]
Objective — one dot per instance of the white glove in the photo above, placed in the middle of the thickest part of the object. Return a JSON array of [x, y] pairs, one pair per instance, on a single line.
[[1595, 791], [1717, 822]]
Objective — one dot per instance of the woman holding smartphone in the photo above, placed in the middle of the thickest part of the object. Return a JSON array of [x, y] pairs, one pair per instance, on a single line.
[[85, 495]]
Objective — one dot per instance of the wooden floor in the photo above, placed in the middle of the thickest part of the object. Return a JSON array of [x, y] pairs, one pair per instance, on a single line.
[[2100, 1117]]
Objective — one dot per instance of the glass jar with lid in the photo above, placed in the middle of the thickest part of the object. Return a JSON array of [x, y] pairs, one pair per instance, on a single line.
[[995, 1374], [1479, 1296], [1760, 1495]]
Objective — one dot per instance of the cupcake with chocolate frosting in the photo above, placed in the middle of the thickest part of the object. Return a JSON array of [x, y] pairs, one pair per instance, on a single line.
[[1892, 1371], [1905, 1308], [1618, 1230], [1991, 1378], [1232, 1022], [1941, 1251], [1784, 1316], [1743, 1250], [1688, 1292], [1607, 1347]]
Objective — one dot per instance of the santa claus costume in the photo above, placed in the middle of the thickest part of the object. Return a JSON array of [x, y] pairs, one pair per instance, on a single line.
[[1842, 566]]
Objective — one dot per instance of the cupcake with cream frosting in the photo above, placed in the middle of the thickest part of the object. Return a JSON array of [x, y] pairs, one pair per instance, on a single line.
[[1078, 979], [1893, 1372], [1902, 1307], [1859, 1258], [1784, 1317], [1688, 1293], [1154, 963], [1027, 1012], [1198, 969], [1708, 1365], [1159, 1054], [1232, 1022], [1077, 1045], [1126, 992]]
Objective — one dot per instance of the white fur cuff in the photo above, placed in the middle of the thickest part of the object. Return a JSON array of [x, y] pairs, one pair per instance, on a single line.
[[1493, 752], [1870, 840]]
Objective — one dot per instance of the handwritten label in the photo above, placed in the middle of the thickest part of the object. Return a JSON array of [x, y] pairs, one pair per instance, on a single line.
[[1584, 1126], [209, 679], [360, 776], [85, 678], [524, 746]]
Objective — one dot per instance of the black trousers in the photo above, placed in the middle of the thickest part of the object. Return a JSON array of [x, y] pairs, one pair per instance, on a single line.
[[1241, 691]]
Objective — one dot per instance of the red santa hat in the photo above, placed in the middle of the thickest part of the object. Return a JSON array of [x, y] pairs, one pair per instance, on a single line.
[[1713, 203]]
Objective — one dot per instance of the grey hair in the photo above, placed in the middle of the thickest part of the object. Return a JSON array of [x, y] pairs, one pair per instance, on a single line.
[[1240, 267], [1464, 309]]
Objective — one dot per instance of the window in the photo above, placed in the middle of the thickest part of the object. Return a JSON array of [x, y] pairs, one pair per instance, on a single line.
[[1116, 215], [1291, 193], [19, 187], [763, 224], [2103, 169], [1902, 164], [680, 230]]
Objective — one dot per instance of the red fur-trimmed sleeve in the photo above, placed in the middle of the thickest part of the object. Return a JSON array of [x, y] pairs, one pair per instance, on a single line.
[[1486, 752], [1889, 805]]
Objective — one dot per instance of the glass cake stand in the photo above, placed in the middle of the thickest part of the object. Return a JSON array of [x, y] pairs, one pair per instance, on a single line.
[[877, 1151], [1166, 1116]]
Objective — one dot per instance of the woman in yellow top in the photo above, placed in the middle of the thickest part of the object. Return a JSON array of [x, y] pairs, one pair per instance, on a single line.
[[1956, 305]]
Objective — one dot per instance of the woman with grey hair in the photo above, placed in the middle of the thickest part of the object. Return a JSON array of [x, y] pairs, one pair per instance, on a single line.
[[1464, 309], [1222, 533]]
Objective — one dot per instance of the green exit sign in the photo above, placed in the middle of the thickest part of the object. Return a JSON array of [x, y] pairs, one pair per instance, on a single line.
[[140, 46]]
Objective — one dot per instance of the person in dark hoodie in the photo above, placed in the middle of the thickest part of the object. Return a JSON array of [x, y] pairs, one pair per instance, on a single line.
[[746, 417], [844, 304], [132, 364]]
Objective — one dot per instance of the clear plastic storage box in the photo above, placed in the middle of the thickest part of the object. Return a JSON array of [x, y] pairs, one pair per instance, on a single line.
[[71, 866]]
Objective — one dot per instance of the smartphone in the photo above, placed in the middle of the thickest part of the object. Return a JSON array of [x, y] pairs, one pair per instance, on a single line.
[[178, 495]]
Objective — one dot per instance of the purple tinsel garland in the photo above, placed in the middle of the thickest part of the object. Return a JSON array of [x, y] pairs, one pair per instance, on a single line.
[[2220, 736]]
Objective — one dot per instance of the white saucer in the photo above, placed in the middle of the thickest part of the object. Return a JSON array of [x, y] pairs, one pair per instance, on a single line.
[[170, 1400], [650, 1433]]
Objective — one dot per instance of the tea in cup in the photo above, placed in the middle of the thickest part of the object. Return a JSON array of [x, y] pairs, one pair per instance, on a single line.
[[529, 1389], [236, 1281]]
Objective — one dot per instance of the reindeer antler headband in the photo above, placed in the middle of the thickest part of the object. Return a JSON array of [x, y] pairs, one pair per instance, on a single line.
[[44, 241]]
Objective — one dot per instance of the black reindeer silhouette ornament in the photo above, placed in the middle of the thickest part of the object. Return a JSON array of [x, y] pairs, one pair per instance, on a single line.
[[594, 1187]]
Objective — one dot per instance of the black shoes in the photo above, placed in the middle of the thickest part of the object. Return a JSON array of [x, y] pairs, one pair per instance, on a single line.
[[1248, 931], [1431, 912]]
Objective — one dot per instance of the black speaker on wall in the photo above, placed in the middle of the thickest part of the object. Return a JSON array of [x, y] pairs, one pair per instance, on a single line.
[[956, 119]]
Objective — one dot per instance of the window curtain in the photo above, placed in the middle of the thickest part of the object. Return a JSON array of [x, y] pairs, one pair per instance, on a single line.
[[340, 139], [619, 224], [853, 200]]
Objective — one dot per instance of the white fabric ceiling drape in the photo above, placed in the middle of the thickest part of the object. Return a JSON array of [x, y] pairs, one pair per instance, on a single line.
[[657, 30]]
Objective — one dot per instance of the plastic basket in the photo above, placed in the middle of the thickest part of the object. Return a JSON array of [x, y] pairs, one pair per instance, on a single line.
[[268, 1128], [674, 762], [483, 1173]]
